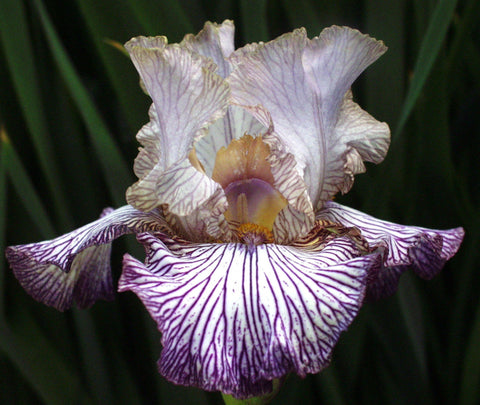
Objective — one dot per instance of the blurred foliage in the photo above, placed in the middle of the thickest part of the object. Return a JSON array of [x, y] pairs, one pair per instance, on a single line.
[[70, 106]]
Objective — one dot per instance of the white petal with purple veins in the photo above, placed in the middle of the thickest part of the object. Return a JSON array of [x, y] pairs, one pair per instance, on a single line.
[[233, 317], [333, 61], [214, 41], [188, 98], [42, 267], [236, 123], [181, 186], [88, 280], [357, 137], [205, 223], [424, 250], [302, 83], [271, 75]]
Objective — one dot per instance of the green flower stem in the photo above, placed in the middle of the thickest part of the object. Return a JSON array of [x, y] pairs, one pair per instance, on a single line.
[[263, 400]]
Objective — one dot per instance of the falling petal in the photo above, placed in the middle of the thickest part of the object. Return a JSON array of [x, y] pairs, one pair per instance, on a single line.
[[233, 317], [76, 266], [423, 250]]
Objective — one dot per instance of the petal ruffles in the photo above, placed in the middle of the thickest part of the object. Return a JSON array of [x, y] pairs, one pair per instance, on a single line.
[[421, 249], [188, 97], [76, 266], [214, 41], [233, 317], [304, 85]]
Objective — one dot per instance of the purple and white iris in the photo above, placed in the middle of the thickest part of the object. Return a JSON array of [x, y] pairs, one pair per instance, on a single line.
[[251, 271]]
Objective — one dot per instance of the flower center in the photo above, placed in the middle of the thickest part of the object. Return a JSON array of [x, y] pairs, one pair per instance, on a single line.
[[244, 172]]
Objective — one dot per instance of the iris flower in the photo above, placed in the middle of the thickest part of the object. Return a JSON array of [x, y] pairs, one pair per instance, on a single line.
[[251, 271]]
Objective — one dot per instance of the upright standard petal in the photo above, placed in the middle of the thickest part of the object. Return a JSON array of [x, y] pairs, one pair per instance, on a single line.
[[76, 266], [237, 122], [332, 61], [234, 317], [271, 75], [421, 249], [357, 137], [188, 97], [303, 83], [298, 217], [214, 41]]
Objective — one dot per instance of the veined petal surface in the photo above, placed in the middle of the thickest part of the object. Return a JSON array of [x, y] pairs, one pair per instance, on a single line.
[[233, 317], [88, 280], [206, 223], [188, 97], [421, 249], [302, 83], [76, 266], [357, 137], [214, 41], [332, 61], [237, 122], [271, 75]]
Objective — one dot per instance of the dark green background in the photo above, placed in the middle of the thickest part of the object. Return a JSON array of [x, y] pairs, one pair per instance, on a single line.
[[71, 106]]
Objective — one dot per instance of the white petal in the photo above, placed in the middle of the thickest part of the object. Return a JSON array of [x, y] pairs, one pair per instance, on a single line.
[[302, 84], [41, 268], [357, 137], [423, 250], [236, 123], [149, 154], [214, 41], [333, 61], [233, 317], [205, 223], [298, 217], [188, 97], [271, 75], [181, 186]]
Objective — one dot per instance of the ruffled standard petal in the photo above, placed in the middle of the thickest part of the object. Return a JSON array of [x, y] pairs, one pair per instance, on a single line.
[[293, 221], [76, 266], [333, 61], [421, 249], [303, 83], [271, 75], [357, 137], [188, 97], [233, 317], [214, 41], [206, 223], [298, 217]]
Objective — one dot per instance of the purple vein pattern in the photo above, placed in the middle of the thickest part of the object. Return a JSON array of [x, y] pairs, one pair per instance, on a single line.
[[234, 317], [423, 250], [76, 266]]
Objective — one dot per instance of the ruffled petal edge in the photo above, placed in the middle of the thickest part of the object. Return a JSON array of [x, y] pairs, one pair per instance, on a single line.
[[76, 266], [234, 317]]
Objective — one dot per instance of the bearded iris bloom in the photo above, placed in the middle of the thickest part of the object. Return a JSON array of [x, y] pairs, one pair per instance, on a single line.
[[251, 271]]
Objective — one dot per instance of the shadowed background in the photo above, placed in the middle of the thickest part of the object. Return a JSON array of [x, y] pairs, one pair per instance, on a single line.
[[70, 107]]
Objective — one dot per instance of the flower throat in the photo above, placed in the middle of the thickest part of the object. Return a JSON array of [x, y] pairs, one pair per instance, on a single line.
[[242, 169]]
